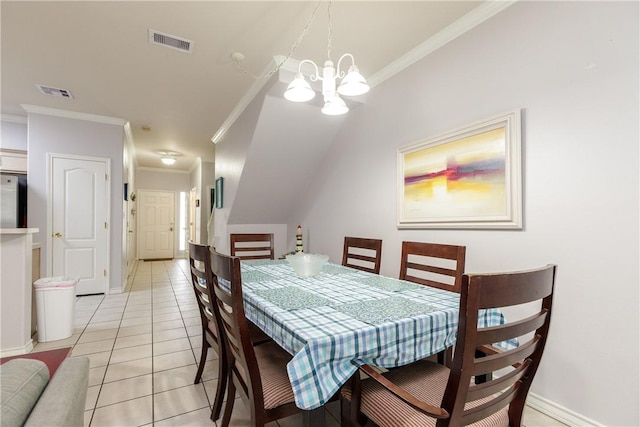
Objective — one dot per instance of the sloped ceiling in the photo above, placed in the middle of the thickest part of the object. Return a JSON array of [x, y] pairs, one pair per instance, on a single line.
[[288, 142]]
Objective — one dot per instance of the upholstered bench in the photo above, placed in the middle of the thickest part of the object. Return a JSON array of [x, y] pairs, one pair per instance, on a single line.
[[28, 397]]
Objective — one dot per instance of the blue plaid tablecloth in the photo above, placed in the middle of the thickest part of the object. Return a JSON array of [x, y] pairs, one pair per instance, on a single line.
[[342, 318]]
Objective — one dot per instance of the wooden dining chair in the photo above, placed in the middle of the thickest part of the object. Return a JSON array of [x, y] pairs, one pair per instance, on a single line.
[[362, 254], [433, 264], [252, 246], [259, 373], [429, 394], [201, 278], [436, 265]]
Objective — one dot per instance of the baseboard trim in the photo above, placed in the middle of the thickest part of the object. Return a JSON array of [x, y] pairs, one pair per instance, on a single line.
[[15, 351], [560, 413]]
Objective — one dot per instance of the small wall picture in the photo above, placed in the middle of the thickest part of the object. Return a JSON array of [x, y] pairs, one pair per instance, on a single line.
[[219, 192]]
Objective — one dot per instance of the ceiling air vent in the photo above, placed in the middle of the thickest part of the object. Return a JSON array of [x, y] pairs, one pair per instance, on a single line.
[[173, 42], [54, 91]]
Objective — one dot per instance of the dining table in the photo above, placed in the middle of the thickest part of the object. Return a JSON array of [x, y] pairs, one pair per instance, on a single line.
[[342, 318]]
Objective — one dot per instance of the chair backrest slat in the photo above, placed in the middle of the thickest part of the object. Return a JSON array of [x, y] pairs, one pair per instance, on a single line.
[[478, 391], [514, 329], [481, 412], [248, 246], [366, 252], [433, 264], [513, 288], [503, 359]]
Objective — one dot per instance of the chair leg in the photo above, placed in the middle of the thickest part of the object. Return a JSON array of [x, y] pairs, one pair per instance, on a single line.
[[445, 357], [355, 417], [480, 379], [228, 407], [223, 377], [345, 412], [203, 358]]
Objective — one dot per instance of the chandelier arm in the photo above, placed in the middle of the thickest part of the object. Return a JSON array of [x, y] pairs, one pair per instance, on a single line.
[[341, 74], [312, 77]]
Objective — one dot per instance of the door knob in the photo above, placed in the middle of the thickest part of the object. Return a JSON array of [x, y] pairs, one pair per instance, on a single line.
[[171, 229], [58, 235]]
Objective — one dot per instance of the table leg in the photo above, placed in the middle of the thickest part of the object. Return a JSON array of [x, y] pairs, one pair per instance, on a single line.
[[314, 417]]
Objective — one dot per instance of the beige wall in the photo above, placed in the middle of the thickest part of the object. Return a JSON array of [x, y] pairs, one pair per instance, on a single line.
[[63, 135]]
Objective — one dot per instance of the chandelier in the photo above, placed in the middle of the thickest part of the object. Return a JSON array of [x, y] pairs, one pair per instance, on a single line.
[[352, 84], [299, 90]]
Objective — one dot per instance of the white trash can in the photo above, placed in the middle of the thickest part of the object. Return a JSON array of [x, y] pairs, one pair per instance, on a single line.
[[55, 307]]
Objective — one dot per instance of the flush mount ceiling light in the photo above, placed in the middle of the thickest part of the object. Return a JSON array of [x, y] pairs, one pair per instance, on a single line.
[[168, 157], [299, 90], [168, 160]]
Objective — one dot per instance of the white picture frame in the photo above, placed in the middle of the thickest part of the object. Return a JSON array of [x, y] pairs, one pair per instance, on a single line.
[[468, 178]]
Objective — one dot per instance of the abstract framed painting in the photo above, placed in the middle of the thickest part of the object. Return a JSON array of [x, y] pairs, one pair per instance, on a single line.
[[467, 178]]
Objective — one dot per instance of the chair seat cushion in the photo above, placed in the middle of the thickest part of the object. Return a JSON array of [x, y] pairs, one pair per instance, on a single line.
[[272, 362], [22, 382], [426, 381]]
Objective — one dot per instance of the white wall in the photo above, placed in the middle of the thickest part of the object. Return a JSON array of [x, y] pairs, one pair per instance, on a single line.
[[202, 177], [230, 159], [195, 178], [207, 181], [51, 134], [159, 179], [573, 68], [129, 226], [13, 134]]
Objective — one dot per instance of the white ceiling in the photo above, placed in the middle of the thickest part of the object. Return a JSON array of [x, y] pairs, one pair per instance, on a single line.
[[101, 53]]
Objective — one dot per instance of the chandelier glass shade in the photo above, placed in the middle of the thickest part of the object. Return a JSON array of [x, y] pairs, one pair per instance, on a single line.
[[299, 90]]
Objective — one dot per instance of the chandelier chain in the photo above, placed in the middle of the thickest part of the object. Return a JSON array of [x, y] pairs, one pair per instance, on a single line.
[[293, 48], [330, 31]]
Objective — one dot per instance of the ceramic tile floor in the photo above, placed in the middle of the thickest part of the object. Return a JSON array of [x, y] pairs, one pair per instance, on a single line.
[[144, 345]]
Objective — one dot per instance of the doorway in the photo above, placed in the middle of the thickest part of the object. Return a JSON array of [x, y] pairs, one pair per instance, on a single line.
[[156, 224]]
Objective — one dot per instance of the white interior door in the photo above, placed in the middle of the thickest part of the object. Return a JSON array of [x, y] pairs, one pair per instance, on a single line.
[[79, 221], [155, 224]]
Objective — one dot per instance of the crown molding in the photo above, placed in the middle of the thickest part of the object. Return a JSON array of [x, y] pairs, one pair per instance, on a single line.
[[13, 119], [475, 17], [35, 109]]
